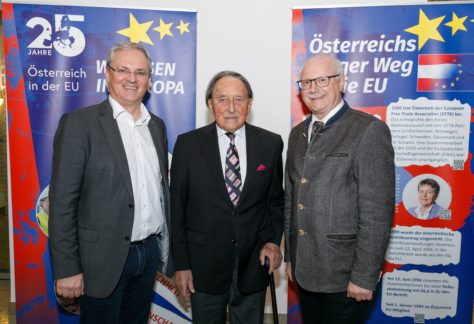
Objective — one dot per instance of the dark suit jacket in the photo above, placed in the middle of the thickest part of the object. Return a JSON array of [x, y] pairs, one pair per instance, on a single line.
[[207, 230], [91, 197], [339, 202]]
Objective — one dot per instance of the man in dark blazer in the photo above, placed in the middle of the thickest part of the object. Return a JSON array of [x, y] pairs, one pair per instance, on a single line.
[[109, 197], [339, 199], [222, 233]]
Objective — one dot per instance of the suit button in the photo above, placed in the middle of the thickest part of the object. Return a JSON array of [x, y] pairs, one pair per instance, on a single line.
[[304, 180], [232, 242], [300, 206], [127, 238], [301, 232], [130, 205]]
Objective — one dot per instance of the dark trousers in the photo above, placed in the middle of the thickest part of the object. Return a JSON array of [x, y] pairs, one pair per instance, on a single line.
[[335, 308], [211, 309], [130, 302]]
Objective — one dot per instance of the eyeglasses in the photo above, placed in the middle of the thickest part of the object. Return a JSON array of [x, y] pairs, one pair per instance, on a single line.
[[225, 101], [123, 72], [320, 82]]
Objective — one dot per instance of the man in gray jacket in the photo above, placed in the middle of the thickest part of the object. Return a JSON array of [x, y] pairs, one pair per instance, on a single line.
[[339, 204]]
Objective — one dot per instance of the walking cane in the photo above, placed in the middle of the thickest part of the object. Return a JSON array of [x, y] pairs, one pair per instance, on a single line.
[[272, 292]]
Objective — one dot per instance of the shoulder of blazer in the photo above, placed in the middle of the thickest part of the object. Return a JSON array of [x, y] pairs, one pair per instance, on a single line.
[[199, 132], [157, 119], [86, 117], [100, 109], [262, 133]]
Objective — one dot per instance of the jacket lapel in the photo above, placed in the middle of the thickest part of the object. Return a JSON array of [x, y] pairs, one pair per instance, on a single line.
[[162, 155], [254, 152], [210, 150], [112, 134]]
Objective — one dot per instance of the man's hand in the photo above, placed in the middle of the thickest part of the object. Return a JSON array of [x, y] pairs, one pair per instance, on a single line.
[[272, 251], [358, 293], [184, 281], [288, 271], [70, 287]]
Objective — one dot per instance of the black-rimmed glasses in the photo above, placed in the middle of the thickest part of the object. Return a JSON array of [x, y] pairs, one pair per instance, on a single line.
[[320, 82]]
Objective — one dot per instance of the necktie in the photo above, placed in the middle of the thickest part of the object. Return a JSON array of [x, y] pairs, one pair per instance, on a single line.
[[316, 127], [233, 180]]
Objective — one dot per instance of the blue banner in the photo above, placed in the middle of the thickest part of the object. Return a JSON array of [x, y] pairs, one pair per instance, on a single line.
[[412, 67], [55, 63]]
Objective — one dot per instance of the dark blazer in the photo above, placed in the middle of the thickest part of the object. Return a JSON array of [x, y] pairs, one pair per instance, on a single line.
[[339, 202], [207, 231], [91, 197]]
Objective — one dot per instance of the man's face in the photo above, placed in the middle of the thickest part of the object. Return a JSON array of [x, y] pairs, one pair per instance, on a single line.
[[230, 103], [321, 100], [128, 89], [426, 195]]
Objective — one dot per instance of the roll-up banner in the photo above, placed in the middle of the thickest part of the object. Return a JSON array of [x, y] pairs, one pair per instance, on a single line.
[[55, 63], [412, 66]]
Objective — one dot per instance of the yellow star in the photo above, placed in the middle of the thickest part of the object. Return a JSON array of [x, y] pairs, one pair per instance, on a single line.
[[457, 78], [444, 86], [137, 32], [456, 24], [426, 29], [183, 28], [164, 29], [460, 71], [452, 84]]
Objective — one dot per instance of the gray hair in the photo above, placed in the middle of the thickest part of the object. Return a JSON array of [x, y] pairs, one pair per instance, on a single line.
[[126, 46], [222, 74]]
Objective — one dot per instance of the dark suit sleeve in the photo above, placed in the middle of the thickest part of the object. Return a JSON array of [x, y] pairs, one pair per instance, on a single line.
[[69, 159], [375, 176], [179, 198], [276, 195], [287, 208]]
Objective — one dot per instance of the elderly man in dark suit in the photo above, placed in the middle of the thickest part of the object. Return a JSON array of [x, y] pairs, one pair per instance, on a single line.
[[339, 199], [108, 225], [226, 208]]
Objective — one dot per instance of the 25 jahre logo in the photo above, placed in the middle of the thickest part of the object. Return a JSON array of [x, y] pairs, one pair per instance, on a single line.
[[66, 39]]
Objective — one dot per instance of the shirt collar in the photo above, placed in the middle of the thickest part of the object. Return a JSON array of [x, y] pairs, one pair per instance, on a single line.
[[240, 132], [119, 110]]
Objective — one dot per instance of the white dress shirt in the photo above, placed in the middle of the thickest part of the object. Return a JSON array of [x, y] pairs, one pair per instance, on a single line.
[[145, 172], [241, 146]]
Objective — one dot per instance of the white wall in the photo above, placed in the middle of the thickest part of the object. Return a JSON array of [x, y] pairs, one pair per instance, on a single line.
[[252, 37]]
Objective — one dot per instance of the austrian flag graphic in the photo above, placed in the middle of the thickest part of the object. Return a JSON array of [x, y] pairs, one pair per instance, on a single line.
[[445, 72]]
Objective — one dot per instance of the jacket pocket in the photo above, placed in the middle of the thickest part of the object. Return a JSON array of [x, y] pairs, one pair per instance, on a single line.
[[342, 237], [337, 154], [196, 237]]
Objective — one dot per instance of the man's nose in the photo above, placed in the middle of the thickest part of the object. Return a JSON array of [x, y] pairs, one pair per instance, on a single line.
[[231, 108], [131, 76]]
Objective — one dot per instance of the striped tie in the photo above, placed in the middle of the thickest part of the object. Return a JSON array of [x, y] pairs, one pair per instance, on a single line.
[[317, 125], [233, 181]]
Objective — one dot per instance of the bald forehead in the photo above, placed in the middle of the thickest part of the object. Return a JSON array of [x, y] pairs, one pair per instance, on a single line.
[[320, 63]]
